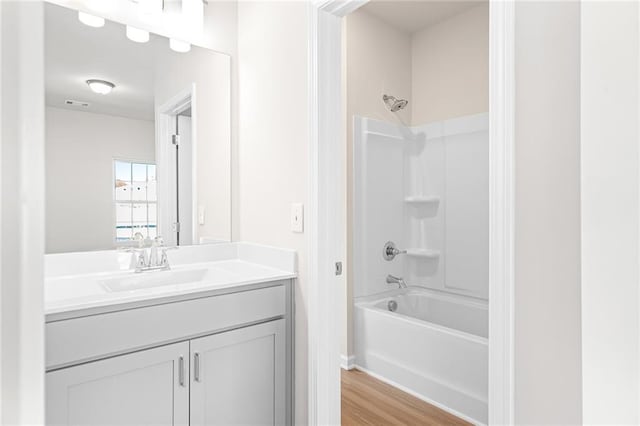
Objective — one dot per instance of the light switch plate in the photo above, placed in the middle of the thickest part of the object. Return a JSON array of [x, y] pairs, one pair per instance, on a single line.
[[297, 217], [201, 212]]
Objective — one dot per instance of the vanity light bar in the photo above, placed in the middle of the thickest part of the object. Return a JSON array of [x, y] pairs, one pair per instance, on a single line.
[[136, 34]]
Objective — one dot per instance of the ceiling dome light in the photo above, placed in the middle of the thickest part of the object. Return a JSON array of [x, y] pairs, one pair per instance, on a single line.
[[137, 35], [179, 46], [91, 20], [101, 86]]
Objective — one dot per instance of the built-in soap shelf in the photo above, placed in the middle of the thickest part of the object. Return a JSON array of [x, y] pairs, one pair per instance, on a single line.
[[423, 253], [422, 199]]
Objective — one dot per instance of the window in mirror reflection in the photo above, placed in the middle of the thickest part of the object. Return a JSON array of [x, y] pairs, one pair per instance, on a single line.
[[135, 200]]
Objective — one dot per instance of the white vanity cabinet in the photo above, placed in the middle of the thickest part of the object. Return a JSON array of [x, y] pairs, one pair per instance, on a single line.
[[219, 359], [238, 377], [142, 388]]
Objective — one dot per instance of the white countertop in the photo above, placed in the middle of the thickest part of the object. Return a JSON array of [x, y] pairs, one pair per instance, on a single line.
[[75, 282]]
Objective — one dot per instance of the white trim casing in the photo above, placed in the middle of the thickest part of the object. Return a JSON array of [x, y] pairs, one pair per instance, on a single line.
[[22, 183], [327, 158], [501, 211], [164, 114], [326, 239]]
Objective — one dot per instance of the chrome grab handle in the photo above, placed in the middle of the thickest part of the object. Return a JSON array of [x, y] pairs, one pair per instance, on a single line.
[[390, 251], [181, 370], [196, 367]]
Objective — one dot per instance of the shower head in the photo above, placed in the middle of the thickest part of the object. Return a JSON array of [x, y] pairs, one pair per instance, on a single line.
[[394, 104]]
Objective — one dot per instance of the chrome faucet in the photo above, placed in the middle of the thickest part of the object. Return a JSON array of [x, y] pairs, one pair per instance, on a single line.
[[152, 261], [396, 280]]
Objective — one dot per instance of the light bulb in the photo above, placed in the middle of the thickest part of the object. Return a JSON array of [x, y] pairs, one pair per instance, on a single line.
[[91, 20], [137, 35], [179, 46]]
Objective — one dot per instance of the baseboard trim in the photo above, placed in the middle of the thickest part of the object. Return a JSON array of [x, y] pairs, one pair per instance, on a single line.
[[348, 362]]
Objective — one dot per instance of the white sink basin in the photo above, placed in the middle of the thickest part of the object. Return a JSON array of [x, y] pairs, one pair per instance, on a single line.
[[153, 279]]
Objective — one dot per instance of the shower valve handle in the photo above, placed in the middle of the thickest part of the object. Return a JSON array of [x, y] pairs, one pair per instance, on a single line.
[[390, 251]]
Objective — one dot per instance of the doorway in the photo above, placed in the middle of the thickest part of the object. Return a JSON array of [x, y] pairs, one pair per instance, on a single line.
[[328, 230], [175, 151]]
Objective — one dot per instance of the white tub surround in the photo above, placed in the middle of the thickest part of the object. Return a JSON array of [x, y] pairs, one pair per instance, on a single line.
[[425, 188], [195, 344], [434, 346]]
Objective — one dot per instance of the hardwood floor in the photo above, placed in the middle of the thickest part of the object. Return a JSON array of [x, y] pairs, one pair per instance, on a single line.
[[368, 401]]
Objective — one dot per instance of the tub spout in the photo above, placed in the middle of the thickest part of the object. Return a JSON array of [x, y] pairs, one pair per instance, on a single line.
[[396, 280]]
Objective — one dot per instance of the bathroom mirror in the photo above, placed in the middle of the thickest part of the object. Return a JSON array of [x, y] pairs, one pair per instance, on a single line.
[[137, 137]]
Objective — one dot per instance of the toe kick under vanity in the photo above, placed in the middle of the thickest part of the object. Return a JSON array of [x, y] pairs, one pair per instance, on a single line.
[[208, 342]]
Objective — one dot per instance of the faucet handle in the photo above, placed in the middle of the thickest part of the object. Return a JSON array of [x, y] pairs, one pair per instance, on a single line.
[[390, 251], [138, 238], [164, 259]]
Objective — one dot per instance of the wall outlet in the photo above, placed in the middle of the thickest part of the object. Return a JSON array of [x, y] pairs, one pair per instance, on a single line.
[[297, 217]]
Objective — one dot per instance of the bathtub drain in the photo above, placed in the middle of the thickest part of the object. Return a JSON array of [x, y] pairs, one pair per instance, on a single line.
[[392, 305]]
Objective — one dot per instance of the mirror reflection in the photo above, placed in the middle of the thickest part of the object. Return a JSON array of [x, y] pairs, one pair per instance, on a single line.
[[137, 138]]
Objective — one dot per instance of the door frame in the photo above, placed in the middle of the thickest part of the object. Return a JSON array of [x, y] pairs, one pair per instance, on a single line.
[[165, 115], [22, 212], [327, 160]]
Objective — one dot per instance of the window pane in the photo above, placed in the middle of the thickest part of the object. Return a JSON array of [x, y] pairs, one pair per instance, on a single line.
[[123, 190], [151, 191], [123, 233], [151, 172], [135, 182], [139, 191], [139, 172], [123, 170], [140, 214], [123, 213], [152, 214]]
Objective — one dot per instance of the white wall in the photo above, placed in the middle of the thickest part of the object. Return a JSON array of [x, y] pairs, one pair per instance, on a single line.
[[547, 214], [211, 74], [80, 149], [377, 60], [273, 144], [450, 71], [610, 213]]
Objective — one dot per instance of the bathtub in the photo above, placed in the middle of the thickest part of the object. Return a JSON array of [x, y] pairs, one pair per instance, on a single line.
[[430, 344]]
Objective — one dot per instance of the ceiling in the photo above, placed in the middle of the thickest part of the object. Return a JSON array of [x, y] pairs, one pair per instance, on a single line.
[[415, 15], [75, 53]]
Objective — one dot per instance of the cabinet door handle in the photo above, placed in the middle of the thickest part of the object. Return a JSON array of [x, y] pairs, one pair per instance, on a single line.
[[181, 370], [196, 367]]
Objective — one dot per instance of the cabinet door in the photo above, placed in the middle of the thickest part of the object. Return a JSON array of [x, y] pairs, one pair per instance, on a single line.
[[238, 377], [149, 387]]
